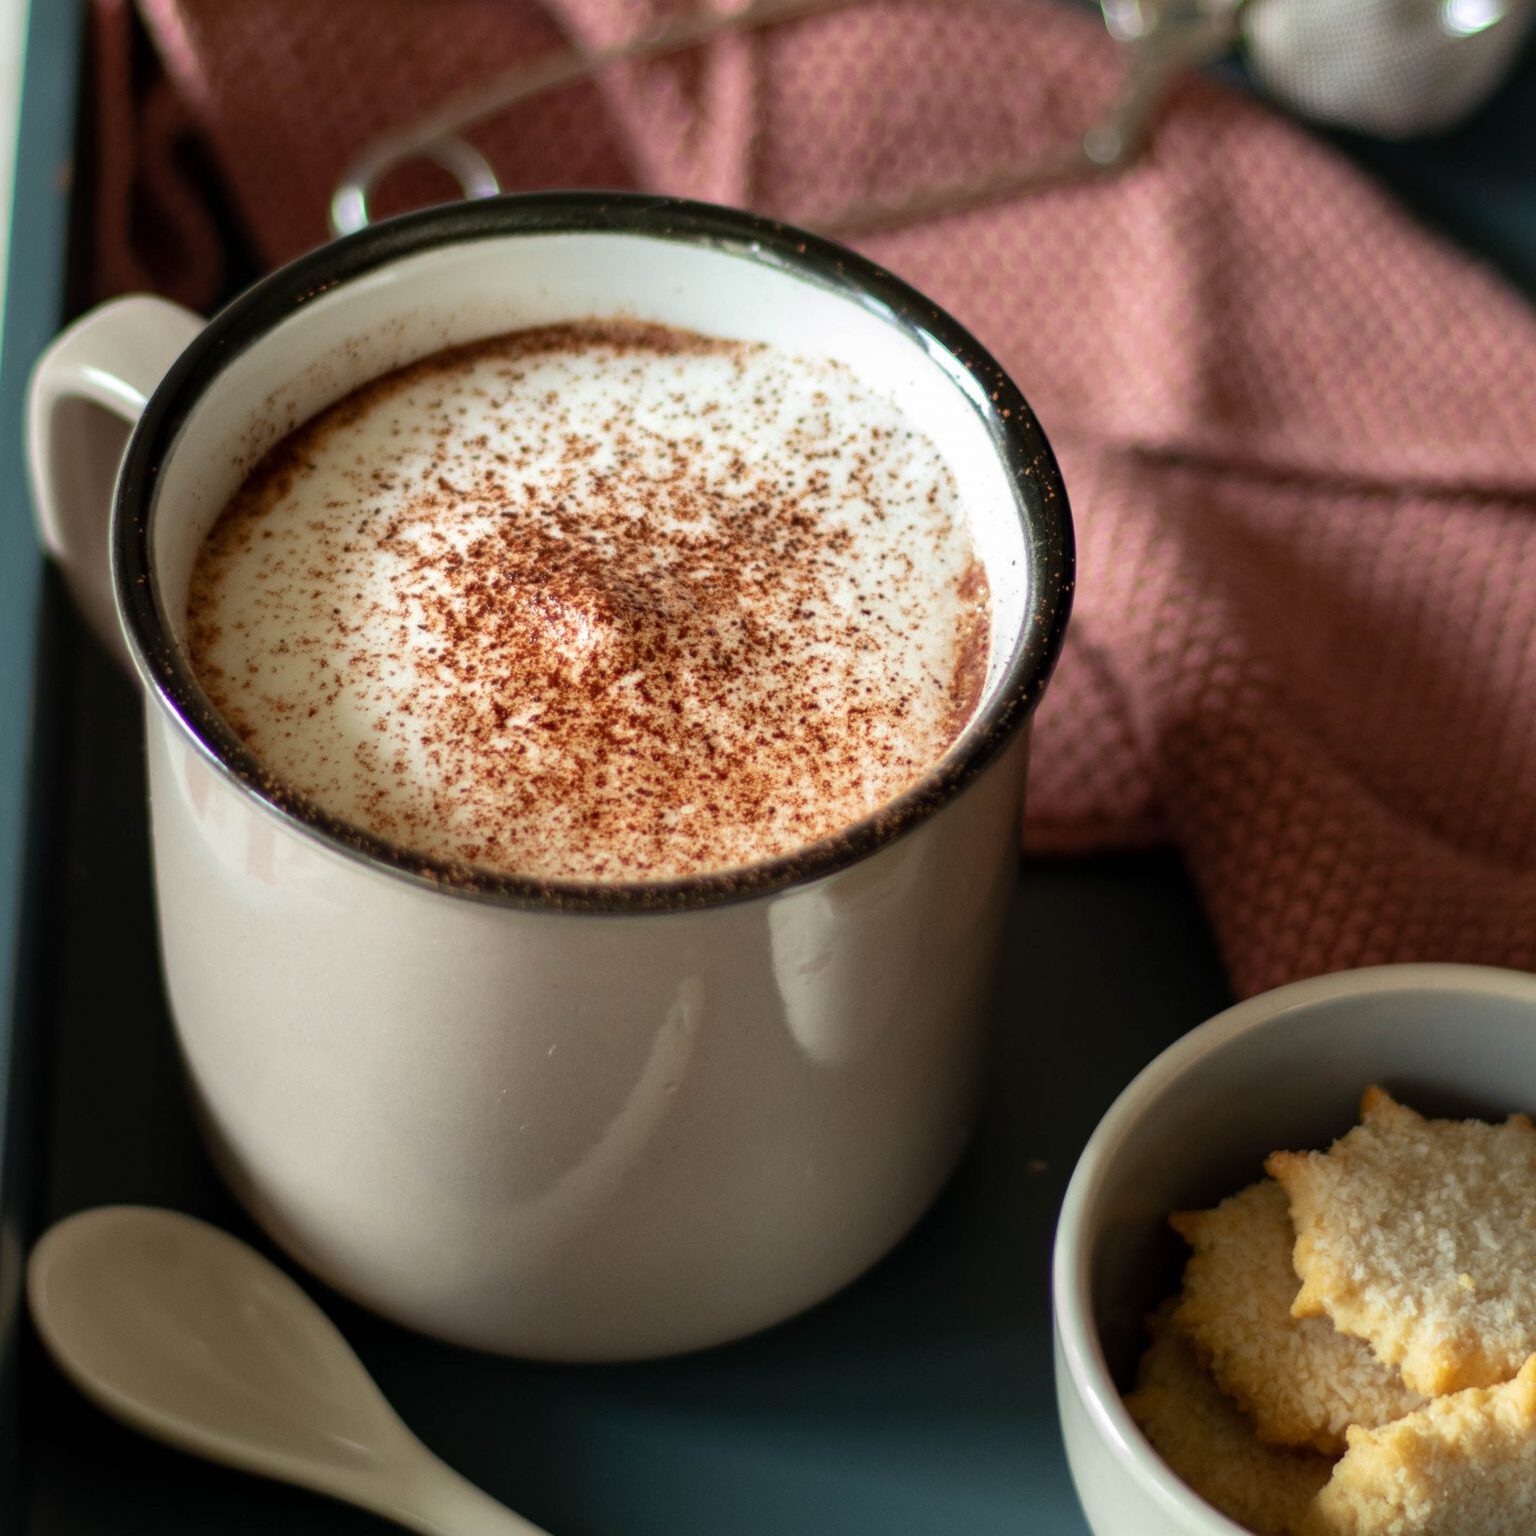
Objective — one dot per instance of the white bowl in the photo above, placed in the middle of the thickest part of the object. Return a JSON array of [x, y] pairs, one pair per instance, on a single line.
[[1284, 1070]]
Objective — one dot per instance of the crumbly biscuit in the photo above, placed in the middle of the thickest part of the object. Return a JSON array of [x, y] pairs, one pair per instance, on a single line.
[[1463, 1465], [1202, 1435], [1300, 1379], [1420, 1236]]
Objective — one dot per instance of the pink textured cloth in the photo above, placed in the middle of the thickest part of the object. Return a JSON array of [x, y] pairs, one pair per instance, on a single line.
[[1298, 433]]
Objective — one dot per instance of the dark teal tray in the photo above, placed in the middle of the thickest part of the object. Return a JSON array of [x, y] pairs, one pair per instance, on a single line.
[[33, 303], [917, 1403]]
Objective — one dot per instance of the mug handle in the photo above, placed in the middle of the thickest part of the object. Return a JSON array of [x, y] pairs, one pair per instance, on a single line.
[[86, 392]]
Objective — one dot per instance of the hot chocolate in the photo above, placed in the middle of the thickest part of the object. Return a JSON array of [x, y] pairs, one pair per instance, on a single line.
[[601, 601]]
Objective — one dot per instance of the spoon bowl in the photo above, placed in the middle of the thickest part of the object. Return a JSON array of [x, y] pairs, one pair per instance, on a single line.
[[185, 1333]]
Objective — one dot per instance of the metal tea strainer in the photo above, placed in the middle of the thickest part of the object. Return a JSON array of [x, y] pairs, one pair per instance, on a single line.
[[1387, 67]]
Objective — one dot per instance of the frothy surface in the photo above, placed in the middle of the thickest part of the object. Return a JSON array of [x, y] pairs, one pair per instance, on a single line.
[[599, 602]]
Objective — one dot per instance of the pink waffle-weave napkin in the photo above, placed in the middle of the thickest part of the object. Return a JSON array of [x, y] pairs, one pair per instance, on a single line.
[[1299, 434]]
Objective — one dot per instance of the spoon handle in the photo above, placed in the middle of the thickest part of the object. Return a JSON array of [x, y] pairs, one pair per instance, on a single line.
[[432, 1498]]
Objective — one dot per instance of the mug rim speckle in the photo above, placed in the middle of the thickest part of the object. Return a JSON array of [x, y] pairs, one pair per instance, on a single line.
[[1039, 496]]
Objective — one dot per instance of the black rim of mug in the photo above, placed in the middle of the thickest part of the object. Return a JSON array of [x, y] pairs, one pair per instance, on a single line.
[[1016, 435]]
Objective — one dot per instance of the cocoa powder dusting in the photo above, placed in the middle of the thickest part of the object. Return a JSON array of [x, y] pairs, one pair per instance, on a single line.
[[603, 601]]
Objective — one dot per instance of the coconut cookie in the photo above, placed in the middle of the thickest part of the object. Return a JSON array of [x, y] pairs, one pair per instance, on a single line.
[[1301, 1381], [1463, 1465], [1207, 1442], [1420, 1236]]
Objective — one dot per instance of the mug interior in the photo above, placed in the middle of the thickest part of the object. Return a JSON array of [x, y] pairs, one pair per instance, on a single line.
[[347, 314], [464, 293]]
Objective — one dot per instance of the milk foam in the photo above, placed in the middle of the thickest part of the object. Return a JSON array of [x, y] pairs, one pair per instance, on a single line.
[[598, 602]]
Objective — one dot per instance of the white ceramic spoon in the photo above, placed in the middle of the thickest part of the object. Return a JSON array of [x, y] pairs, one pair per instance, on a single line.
[[184, 1332]]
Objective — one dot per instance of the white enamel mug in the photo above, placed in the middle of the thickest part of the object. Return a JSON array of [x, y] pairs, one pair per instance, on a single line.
[[547, 1118]]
